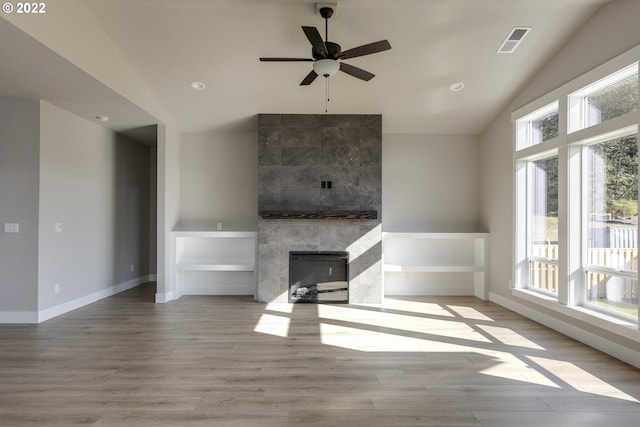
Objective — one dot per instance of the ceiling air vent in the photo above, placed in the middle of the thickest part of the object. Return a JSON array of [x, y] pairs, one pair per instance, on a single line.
[[514, 38]]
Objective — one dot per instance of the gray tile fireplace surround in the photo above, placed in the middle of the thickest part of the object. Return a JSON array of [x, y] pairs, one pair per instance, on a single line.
[[297, 152]]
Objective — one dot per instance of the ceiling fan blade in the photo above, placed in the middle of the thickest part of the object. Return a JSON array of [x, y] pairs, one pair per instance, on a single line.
[[366, 49], [309, 79], [356, 72], [316, 40], [286, 59]]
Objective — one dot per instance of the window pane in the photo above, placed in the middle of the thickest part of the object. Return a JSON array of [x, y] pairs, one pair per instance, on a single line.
[[537, 127], [544, 203], [613, 101], [544, 224], [612, 203], [544, 128], [606, 99], [616, 293]]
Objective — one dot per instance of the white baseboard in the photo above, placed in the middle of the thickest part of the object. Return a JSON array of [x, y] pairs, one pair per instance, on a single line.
[[162, 298], [50, 313], [66, 307], [609, 347]]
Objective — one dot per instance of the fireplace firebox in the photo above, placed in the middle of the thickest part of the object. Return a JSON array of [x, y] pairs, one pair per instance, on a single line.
[[318, 277]]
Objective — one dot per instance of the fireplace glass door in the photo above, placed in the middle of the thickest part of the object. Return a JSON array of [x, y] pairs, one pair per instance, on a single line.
[[318, 277]]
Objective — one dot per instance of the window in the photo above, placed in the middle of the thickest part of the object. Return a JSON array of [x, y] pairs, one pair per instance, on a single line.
[[611, 217], [576, 214], [538, 195]]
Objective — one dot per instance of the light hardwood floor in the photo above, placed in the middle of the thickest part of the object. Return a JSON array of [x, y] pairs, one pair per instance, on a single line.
[[227, 361]]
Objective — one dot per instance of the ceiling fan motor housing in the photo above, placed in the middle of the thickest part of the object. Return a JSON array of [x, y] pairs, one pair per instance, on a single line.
[[334, 50]]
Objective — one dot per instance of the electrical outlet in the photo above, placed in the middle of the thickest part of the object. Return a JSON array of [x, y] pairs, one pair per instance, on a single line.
[[58, 227], [219, 226], [132, 268], [56, 288]]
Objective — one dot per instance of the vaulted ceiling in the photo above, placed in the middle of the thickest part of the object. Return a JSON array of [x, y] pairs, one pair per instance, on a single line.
[[435, 43]]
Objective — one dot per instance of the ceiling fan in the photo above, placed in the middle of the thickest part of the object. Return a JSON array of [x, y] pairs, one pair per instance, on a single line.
[[328, 56]]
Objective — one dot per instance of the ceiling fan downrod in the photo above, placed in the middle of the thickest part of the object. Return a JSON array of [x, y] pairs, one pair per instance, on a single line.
[[326, 13]]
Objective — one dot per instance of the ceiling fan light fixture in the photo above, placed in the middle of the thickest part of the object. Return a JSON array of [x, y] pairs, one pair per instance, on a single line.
[[326, 67]]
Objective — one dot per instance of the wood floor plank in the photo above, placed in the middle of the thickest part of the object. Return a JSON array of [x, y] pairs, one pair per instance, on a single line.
[[228, 361], [386, 418]]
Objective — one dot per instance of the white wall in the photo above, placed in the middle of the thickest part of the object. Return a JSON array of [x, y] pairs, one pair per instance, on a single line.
[[96, 184], [219, 181], [153, 210], [430, 183], [610, 32], [58, 168], [19, 145]]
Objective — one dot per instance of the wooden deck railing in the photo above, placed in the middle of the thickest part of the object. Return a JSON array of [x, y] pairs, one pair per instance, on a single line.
[[625, 289], [545, 275]]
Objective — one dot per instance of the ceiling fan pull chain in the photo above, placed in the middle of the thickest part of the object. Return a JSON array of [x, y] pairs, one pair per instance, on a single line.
[[326, 102]]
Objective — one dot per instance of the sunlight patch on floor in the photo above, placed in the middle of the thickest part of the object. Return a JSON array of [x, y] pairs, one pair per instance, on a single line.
[[580, 379], [513, 368], [280, 307], [422, 325], [425, 308], [273, 325], [509, 337], [468, 313], [368, 341]]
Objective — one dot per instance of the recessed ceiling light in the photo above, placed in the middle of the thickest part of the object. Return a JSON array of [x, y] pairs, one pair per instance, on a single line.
[[102, 118], [198, 86], [456, 87]]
